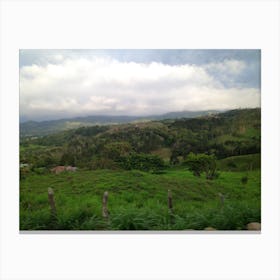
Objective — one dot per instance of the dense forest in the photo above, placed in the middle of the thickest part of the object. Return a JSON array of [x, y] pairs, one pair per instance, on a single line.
[[221, 150]]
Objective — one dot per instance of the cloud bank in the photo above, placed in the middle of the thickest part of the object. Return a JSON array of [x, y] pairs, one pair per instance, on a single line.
[[77, 86]]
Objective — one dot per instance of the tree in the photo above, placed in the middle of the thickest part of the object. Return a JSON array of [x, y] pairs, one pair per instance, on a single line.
[[144, 162], [115, 150], [199, 163]]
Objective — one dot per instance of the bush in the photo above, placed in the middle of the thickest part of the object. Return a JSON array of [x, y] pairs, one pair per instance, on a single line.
[[103, 163], [202, 163], [115, 150], [40, 170], [144, 162]]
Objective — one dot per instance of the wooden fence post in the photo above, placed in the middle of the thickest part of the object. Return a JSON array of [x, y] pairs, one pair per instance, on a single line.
[[222, 199], [105, 212], [51, 201], [170, 207]]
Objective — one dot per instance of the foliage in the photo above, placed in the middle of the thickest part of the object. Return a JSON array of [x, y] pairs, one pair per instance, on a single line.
[[103, 163], [116, 150], [144, 162], [234, 133], [202, 163]]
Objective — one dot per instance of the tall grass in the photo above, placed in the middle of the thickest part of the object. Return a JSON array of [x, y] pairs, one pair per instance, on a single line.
[[138, 201]]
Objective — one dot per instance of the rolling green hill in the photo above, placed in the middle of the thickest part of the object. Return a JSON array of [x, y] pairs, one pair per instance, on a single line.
[[228, 134], [137, 163], [36, 129]]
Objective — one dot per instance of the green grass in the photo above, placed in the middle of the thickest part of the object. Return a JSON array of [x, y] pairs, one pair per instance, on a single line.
[[250, 132], [240, 163], [225, 137], [138, 200], [247, 134]]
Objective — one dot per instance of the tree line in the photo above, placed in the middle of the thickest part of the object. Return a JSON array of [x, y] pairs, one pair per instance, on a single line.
[[130, 146]]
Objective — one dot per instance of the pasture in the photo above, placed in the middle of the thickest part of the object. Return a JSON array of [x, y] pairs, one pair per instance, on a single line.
[[138, 200]]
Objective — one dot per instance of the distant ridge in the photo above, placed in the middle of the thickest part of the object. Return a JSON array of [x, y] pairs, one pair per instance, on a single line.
[[34, 128]]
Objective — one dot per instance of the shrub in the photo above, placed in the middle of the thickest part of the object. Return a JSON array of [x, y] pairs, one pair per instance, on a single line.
[[200, 163], [40, 170], [103, 163], [144, 162]]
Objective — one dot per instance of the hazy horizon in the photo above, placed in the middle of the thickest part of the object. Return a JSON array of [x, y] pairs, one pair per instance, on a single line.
[[48, 118], [56, 84]]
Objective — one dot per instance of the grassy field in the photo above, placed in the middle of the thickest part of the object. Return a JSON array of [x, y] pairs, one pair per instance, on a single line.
[[138, 200], [240, 163]]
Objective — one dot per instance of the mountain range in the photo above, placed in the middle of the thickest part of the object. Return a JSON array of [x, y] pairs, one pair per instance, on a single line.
[[41, 128]]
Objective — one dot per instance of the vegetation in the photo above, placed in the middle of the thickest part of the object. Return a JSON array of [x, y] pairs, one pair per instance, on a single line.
[[202, 163], [138, 200], [137, 163], [34, 129]]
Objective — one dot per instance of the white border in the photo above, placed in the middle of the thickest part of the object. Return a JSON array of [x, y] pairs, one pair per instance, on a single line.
[[156, 24]]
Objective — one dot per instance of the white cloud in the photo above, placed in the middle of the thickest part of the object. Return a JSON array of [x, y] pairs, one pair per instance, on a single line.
[[228, 66], [80, 86]]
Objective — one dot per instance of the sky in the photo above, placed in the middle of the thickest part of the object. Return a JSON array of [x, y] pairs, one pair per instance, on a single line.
[[58, 84]]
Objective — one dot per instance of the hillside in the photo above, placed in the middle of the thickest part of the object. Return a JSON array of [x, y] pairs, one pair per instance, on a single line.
[[227, 134], [211, 164], [34, 128]]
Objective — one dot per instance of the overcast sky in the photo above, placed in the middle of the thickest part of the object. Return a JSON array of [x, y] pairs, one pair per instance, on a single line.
[[68, 83]]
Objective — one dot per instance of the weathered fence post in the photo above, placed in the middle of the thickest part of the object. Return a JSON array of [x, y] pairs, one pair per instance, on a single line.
[[51, 201], [222, 199], [105, 212], [170, 207]]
